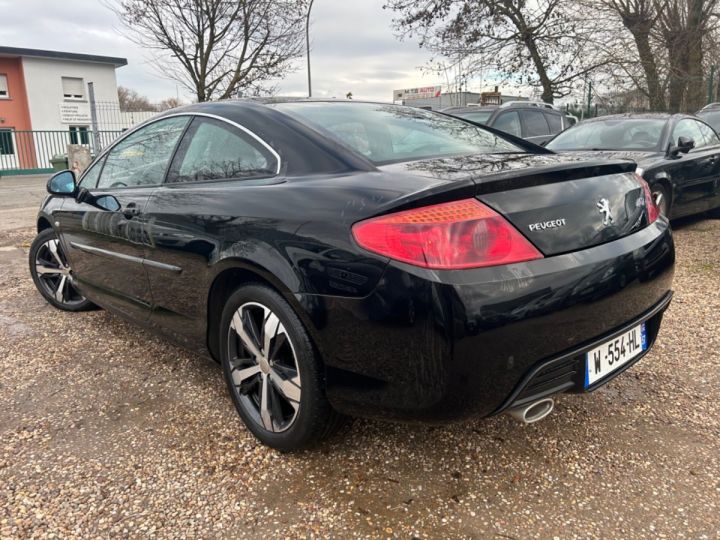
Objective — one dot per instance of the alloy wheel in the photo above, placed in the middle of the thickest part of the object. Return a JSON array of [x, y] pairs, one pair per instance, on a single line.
[[55, 275], [264, 367]]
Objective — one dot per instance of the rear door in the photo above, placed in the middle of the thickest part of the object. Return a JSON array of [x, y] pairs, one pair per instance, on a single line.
[[693, 174], [106, 246], [535, 126], [509, 122]]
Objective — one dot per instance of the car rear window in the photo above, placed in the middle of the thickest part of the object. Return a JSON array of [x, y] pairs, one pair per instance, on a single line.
[[481, 117], [641, 134], [393, 133], [712, 118]]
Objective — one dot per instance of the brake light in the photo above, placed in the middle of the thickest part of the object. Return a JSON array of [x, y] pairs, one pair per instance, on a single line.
[[651, 207], [460, 234]]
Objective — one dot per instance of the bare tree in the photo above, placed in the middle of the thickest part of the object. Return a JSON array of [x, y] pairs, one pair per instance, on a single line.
[[169, 103], [217, 48], [130, 100], [544, 43], [640, 19], [685, 27]]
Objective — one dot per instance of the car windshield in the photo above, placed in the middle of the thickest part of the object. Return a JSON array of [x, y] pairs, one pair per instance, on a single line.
[[641, 134], [712, 118], [481, 117], [393, 133]]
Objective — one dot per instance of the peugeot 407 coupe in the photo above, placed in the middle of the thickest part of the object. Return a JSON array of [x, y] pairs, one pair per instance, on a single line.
[[360, 259]]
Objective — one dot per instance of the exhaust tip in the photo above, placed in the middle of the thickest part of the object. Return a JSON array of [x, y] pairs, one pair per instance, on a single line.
[[533, 412]]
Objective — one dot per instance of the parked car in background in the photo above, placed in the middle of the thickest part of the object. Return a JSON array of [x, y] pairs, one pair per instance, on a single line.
[[534, 121], [678, 155], [362, 259], [710, 114]]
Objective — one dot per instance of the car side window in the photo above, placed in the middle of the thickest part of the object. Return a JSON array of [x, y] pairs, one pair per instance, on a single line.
[[90, 179], [215, 150], [688, 128], [535, 124], [709, 135], [554, 121], [142, 158], [509, 122]]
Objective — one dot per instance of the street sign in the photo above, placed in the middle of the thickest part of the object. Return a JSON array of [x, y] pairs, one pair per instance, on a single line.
[[423, 92]]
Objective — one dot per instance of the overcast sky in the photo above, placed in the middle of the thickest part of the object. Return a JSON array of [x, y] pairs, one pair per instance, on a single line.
[[353, 48]]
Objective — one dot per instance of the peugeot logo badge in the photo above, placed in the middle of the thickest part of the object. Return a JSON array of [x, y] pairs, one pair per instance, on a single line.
[[604, 208]]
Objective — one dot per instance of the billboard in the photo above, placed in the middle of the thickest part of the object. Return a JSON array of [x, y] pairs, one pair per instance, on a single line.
[[423, 92]]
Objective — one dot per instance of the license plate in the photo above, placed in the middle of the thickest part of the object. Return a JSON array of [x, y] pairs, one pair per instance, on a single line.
[[613, 354]]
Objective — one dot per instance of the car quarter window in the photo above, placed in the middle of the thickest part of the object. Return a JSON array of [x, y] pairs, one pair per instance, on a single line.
[[554, 121], [142, 158], [509, 122], [709, 135], [688, 128], [535, 124], [90, 179], [215, 150]]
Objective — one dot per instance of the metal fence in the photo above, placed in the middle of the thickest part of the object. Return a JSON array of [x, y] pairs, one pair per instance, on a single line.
[[33, 151]]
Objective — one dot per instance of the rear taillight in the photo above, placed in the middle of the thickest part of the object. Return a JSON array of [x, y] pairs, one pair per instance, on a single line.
[[652, 209], [460, 234]]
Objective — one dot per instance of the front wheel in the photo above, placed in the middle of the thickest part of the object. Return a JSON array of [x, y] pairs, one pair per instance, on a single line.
[[273, 373], [52, 275]]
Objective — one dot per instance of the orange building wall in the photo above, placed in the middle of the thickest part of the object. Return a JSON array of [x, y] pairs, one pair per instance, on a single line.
[[14, 112]]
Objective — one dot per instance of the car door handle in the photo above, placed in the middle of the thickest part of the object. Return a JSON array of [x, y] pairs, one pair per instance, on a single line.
[[130, 211]]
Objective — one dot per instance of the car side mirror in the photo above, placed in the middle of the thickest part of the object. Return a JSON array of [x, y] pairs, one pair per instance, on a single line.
[[107, 202], [684, 145], [62, 184], [103, 202]]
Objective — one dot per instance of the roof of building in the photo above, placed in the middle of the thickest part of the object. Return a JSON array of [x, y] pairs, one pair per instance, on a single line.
[[59, 55]]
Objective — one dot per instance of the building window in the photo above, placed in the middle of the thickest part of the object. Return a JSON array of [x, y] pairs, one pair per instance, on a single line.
[[79, 135], [73, 88], [6, 142], [4, 91]]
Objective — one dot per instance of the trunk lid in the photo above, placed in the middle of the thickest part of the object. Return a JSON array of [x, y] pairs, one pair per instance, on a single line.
[[560, 203]]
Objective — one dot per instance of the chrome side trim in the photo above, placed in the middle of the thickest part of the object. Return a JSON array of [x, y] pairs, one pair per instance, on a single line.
[[106, 253], [162, 266], [123, 257]]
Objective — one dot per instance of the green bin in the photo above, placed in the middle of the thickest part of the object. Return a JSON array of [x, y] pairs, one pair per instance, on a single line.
[[59, 162]]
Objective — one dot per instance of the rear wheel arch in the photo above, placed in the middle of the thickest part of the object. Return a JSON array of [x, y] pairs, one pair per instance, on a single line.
[[231, 278]]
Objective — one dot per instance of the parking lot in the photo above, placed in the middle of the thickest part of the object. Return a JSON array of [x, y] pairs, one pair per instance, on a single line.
[[107, 430]]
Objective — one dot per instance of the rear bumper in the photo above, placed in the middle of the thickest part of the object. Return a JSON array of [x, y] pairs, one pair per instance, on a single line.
[[437, 345], [566, 373]]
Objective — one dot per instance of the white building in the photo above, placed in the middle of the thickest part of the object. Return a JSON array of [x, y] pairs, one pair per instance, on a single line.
[[47, 91]]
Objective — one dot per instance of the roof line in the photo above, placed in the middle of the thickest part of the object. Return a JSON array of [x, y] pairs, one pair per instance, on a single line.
[[59, 55]]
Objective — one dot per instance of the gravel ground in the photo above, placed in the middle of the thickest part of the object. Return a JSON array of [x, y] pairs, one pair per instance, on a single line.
[[106, 430]]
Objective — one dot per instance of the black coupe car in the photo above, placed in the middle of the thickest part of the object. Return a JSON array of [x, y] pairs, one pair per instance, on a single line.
[[678, 155], [344, 258]]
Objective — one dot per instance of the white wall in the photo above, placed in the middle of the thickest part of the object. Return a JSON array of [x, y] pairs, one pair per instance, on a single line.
[[43, 81]]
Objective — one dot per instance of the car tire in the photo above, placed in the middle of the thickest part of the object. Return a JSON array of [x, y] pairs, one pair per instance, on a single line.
[[52, 275], [661, 196], [277, 383]]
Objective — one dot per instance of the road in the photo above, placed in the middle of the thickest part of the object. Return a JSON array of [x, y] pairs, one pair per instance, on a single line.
[[107, 430]]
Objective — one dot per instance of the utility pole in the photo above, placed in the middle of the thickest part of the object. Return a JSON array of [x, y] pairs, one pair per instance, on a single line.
[[710, 83], [94, 119], [589, 98], [307, 46]]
